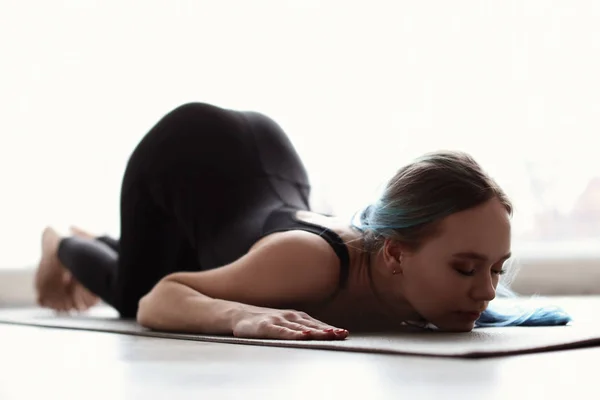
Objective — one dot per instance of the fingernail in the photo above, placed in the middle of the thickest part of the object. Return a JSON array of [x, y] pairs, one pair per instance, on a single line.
[[305, 332], [340, 331], [328, 330]]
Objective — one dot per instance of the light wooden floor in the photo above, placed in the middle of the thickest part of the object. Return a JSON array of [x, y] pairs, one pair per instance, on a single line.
[[42, 363]]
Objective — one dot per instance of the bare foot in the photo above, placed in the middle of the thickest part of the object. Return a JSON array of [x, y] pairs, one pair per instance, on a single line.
[[55, 286], [76, 231], [81, 295]]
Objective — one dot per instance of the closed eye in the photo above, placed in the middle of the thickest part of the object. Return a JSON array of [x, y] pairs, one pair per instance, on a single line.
[[471, 272], [466, 273]]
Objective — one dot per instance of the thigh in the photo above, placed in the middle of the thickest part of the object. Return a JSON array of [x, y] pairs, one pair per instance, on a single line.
[[191, 162], [279, 160], [172, 196], [280, 180], [197, 191]]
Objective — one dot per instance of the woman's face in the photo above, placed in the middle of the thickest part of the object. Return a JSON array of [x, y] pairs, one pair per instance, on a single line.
[[451, 279]]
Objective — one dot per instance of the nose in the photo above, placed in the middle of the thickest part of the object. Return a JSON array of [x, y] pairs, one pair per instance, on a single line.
[[483, 289]]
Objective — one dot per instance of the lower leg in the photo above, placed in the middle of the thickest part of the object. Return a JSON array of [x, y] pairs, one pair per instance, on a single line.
[[92, 263], [74, 271], [55, 286], [110, 241]]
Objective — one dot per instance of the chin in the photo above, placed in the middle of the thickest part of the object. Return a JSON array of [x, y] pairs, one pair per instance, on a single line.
[[455, 326], [459, 328]]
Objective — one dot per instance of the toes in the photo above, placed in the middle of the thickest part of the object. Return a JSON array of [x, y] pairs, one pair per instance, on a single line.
[[76, 231], [79, 299], [88, 299], [50, 239]]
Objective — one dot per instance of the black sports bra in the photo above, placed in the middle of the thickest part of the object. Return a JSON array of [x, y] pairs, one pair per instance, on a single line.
[[284, 219]]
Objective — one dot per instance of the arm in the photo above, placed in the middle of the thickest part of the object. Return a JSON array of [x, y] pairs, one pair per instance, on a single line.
[[294, 267], [173, 306]]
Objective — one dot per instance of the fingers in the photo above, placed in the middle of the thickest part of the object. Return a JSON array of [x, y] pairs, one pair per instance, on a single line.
[[309, 327], [316, 324], [282, 332], [303, 333], [314, 330]]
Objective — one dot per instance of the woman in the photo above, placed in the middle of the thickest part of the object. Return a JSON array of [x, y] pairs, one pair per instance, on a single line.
[[217, 237]]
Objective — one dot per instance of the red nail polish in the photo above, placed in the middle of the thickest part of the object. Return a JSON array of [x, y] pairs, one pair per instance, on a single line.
[[340, 331], [305, 332], [329, 330]]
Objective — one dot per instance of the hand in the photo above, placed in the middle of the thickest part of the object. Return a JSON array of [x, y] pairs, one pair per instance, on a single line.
[[284, 324]]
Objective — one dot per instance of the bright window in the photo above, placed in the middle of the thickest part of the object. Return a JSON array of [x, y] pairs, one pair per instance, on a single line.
[[360, 87]]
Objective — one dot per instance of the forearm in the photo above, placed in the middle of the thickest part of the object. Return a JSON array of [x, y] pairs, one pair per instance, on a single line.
[[172, 306]]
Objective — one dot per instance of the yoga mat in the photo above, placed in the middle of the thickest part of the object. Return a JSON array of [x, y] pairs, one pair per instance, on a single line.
[[481, 342]]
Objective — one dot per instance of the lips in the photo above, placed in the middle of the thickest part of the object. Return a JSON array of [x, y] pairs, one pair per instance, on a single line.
[[470, 315]]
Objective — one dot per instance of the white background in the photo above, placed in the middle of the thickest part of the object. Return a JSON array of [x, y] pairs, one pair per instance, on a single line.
[[360, 87]]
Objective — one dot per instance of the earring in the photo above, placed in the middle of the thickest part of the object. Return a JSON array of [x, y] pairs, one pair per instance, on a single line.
[[394, 272]]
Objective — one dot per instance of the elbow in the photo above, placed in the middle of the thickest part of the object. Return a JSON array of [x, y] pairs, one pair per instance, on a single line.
[[149, 310], [144, 315], [158, 308]]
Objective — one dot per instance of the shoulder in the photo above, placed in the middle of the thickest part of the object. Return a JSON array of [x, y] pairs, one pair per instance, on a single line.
[[293, 239], [301, 247], [284, 268]]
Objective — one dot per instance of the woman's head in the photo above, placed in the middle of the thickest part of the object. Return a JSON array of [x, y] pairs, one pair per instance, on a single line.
[[440, 232]]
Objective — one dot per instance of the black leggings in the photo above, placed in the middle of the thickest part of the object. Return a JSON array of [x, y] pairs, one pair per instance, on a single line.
[[195, 195]]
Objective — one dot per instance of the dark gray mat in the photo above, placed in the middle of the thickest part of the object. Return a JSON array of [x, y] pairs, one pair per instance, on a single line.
[[486, 342]]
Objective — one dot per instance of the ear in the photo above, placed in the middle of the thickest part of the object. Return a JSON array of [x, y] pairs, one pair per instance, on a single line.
[[392, 255]]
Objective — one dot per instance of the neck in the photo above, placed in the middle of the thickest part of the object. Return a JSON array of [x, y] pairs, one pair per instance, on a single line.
[[386, 291]]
